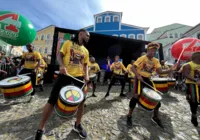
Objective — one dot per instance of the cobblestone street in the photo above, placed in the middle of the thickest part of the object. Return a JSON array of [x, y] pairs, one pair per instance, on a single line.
[[103, 119]]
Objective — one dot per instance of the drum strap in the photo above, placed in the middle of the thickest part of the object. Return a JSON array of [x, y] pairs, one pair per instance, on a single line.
[[197, 92], [139, 87]]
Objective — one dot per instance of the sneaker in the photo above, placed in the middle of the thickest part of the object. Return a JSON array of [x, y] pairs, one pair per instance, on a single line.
[[157, 121], [80, 130], [107, 94], [39, 135], [129, 121], [122, 95], [194, 121]]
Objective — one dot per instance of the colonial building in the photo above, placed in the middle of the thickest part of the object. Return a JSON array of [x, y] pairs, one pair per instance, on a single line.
[[110, 23]]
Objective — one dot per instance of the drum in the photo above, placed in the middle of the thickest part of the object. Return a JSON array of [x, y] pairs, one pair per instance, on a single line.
[[171, 82], [149, 99], [68, 101], [55, 74], [38, 78], [15, 87], [161, 84], [93, 77]]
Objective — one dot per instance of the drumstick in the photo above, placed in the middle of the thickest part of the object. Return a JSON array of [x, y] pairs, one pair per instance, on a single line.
[[152, 88], [75, 78]]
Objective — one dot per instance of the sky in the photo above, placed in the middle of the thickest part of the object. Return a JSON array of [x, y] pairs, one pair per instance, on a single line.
[[76, 14]]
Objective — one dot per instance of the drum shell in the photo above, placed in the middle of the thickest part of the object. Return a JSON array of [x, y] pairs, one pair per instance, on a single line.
[[148, 103], [171, 83], [161, 85], [17, 90], [65, 109]]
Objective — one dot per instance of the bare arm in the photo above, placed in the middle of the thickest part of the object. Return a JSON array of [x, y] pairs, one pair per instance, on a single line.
[[161, 71], [21, 63], [186, 73], [60, 59], [38, 64]]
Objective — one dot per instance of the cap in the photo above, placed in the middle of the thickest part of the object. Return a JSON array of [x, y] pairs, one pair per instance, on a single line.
[[153, 45]]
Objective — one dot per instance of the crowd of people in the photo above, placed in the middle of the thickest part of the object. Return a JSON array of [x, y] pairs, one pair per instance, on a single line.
[[74, 61]]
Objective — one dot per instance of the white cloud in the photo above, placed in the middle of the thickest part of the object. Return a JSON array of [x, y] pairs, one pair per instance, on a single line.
[[155, 13]]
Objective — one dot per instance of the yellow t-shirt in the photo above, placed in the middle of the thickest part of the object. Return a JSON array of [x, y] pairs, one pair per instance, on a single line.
[[75, 57], [181, 69], [117, 68], [194, 72], [42, 63], [93, 68], [31, 59], [130, 72], [164, 67], [145, 66]]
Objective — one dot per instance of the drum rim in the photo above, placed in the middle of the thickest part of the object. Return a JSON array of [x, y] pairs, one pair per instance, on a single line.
[[56, 72], [155, 79], [153, 91], [15, 84], [81, 98]]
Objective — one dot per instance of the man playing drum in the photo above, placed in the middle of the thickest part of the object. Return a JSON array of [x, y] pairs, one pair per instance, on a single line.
[[118, 74], [41, 71], [73, 59], [131, 75], [191, 72], [93, 70], [143, 68], [31, 61]]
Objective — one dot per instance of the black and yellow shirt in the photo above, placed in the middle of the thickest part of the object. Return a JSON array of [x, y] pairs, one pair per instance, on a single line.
[[130, 72], [194, 72], [75, 57], [145, 66], [164, 67], [93, 68], [118, 68], [31, 59], [42, 62]]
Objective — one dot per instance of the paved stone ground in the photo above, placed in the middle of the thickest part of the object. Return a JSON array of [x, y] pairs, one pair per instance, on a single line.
[[103, 119]]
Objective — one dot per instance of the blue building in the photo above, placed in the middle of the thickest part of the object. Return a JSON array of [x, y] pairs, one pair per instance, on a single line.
[[110, 23]]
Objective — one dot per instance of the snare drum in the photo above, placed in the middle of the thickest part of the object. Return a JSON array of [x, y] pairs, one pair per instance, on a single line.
[[68, 101], [171, 82], [161, 84], [93, 77], [149, 99], [55, 74], [15, 87]]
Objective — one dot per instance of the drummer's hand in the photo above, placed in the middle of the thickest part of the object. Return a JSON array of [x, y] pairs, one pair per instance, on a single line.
[[174, 67], [3, 72], [136, 96], [139, 78], [198, 83], [63, 70]]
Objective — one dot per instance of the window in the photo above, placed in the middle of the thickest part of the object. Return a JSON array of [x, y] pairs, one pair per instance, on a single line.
[[140, 37], [45, 50], [198, 35], [99, 20], [123, 35], [42, 37], [48, 36], [107, 19], [132, 36], [115, 18], [115, 35], [176, 35], [170, 35]]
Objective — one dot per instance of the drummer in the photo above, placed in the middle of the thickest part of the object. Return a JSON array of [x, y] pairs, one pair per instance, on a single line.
[[191, 72], [143, 67], [131, 74], [93, 69], [118, 74], [73, 59], [31, 62], [41, 71], [164, 67]]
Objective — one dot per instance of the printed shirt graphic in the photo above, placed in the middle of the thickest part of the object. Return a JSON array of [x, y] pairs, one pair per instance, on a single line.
[[146, 67], [130, 72], [118, 68], [93, 68], [75, 57], [31, 59], [164, 67], [194, 72]]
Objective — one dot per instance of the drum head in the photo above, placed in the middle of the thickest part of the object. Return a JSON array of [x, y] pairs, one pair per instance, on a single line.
[[56, 72], [152, 94], [13, 81], [71, 94], [159, 79]]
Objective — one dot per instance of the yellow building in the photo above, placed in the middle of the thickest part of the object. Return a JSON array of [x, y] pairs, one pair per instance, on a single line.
[[44, 40]]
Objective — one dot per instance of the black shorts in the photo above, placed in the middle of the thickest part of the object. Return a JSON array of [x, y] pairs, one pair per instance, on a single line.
[[61, 81]]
